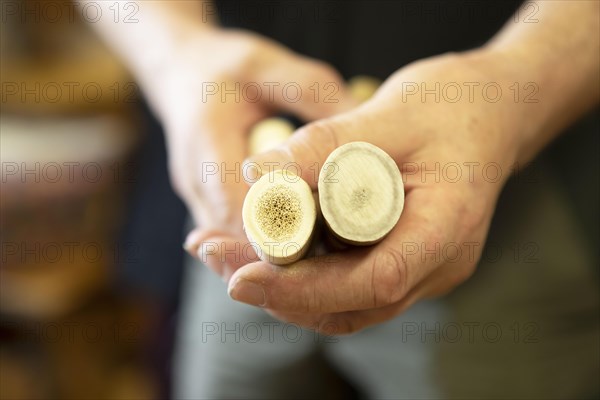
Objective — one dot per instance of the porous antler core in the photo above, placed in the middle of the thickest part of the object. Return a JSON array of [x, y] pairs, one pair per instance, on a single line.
[[278, 213]]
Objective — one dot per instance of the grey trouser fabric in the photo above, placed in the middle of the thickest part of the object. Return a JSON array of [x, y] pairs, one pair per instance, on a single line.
[[524, 326]]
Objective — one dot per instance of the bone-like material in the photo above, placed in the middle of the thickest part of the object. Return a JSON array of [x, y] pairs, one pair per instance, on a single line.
[[268, 134], [279, 217], [361, 193]]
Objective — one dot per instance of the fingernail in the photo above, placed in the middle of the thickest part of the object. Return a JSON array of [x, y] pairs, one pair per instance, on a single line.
[[192, 242], [191, 247], [207, 249], [248, 292], [208, 255]]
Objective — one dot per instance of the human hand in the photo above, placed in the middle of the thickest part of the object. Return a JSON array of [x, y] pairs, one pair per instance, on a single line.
[[437, 242], [208, 95]]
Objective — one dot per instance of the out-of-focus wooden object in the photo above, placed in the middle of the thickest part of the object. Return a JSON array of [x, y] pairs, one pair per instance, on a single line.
[[68, 132], [363, 87], [51, 63], [62, 193], [268, 134]]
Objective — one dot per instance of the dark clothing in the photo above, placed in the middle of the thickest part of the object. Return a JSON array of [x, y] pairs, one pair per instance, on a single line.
[[370, 37]]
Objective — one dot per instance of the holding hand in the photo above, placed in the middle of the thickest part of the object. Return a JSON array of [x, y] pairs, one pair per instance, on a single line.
[[347, 291], [215, 87]]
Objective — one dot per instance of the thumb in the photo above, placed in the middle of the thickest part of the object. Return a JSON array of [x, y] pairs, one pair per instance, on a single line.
[[306, 151]]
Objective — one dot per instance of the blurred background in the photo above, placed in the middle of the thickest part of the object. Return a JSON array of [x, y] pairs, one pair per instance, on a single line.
[[86, 298]]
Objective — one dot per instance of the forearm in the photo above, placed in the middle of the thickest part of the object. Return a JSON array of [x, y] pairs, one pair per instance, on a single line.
[[151, 35], [559, 53]]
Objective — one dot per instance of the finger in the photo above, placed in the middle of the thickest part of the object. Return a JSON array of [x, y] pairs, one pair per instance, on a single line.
[[225, 254], [219, 194], [202, 243], [195, 238], [348, 322], [213, 191], [222, 253], [306, 151], [360, 278], [343, 323], [307, 88], [443, 280], [216, 195], [220, 186], [353, 321]]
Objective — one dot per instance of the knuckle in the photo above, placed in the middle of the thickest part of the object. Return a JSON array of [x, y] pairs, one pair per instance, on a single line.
[[472, 206], [452, 279], [319, 132], [390, 275], [315, 141], [474, 215], [464, 273]]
